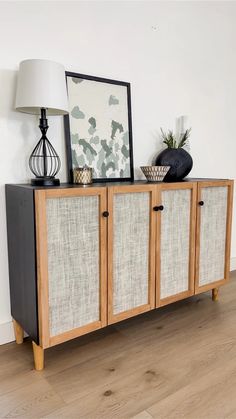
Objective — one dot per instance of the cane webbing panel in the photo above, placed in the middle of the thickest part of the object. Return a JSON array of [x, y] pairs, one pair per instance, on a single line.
[[73, 262], [212, 234], [131, 212], [175, 239]]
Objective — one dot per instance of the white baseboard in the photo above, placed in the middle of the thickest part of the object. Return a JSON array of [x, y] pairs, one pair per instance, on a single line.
[[233, 264], [7, 331]]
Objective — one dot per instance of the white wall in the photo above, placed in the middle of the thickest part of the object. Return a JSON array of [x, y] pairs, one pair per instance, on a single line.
[[179, 56]]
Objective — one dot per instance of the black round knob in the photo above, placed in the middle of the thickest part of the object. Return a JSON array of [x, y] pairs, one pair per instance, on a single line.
[[158, 208], [201, 203], [105, 214]]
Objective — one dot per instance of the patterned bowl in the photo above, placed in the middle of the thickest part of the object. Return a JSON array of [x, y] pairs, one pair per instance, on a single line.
[[154, 173]]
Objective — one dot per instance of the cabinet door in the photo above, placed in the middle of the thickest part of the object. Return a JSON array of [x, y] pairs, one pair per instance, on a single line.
[[213, 234], [176, 242], [131, 251], [71, 255]]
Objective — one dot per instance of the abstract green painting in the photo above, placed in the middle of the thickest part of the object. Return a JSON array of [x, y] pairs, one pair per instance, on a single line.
[[98, 128]]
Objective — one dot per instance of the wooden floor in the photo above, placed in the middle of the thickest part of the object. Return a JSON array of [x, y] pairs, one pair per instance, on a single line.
[[175, 362]]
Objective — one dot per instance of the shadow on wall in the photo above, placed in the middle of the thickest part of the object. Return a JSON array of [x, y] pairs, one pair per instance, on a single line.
[[159, 146], [180, 126], [18, 131]]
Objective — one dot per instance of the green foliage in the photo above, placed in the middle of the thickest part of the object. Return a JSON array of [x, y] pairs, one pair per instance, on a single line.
[[172, 142]]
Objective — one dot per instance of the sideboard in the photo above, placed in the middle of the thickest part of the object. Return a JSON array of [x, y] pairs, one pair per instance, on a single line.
[[81, 258]]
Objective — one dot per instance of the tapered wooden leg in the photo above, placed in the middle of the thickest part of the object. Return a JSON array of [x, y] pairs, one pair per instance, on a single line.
[[38, 357], [19, 332], [215, 292]]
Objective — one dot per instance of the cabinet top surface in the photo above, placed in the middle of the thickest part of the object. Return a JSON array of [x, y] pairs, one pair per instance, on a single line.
[[109, 184]]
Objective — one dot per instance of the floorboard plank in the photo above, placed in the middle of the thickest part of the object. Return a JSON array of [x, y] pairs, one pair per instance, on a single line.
[[177, 361], [32, 401]]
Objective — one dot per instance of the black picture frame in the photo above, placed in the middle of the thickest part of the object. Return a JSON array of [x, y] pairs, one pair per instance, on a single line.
[[67, 129]]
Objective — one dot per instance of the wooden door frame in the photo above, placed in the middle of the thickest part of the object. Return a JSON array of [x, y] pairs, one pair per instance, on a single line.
[[221, 281], [113, 318], [167, 187], [45, 340]]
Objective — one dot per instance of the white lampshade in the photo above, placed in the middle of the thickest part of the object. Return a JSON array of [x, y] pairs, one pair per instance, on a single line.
[[41, 84]]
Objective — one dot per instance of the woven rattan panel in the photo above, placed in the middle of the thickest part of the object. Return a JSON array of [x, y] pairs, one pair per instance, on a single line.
[[73, 262], [175, 235], [213, 234], [130, 250]]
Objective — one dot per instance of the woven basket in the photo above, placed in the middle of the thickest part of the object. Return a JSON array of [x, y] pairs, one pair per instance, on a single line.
[[155, 173]]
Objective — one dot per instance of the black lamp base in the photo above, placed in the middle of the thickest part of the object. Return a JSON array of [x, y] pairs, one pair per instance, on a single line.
[[45, 181], [44, 162]]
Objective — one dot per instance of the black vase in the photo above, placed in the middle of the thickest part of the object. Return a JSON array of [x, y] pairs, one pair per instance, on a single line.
[[180, 163]]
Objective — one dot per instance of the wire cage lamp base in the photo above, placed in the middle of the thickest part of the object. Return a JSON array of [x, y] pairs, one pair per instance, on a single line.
[[44, 161]]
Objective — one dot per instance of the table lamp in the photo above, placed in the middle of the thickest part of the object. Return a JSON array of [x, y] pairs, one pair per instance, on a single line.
[[41, 90]]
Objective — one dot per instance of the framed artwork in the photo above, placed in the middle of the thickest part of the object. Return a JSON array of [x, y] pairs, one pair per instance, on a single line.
[[98, 128]]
